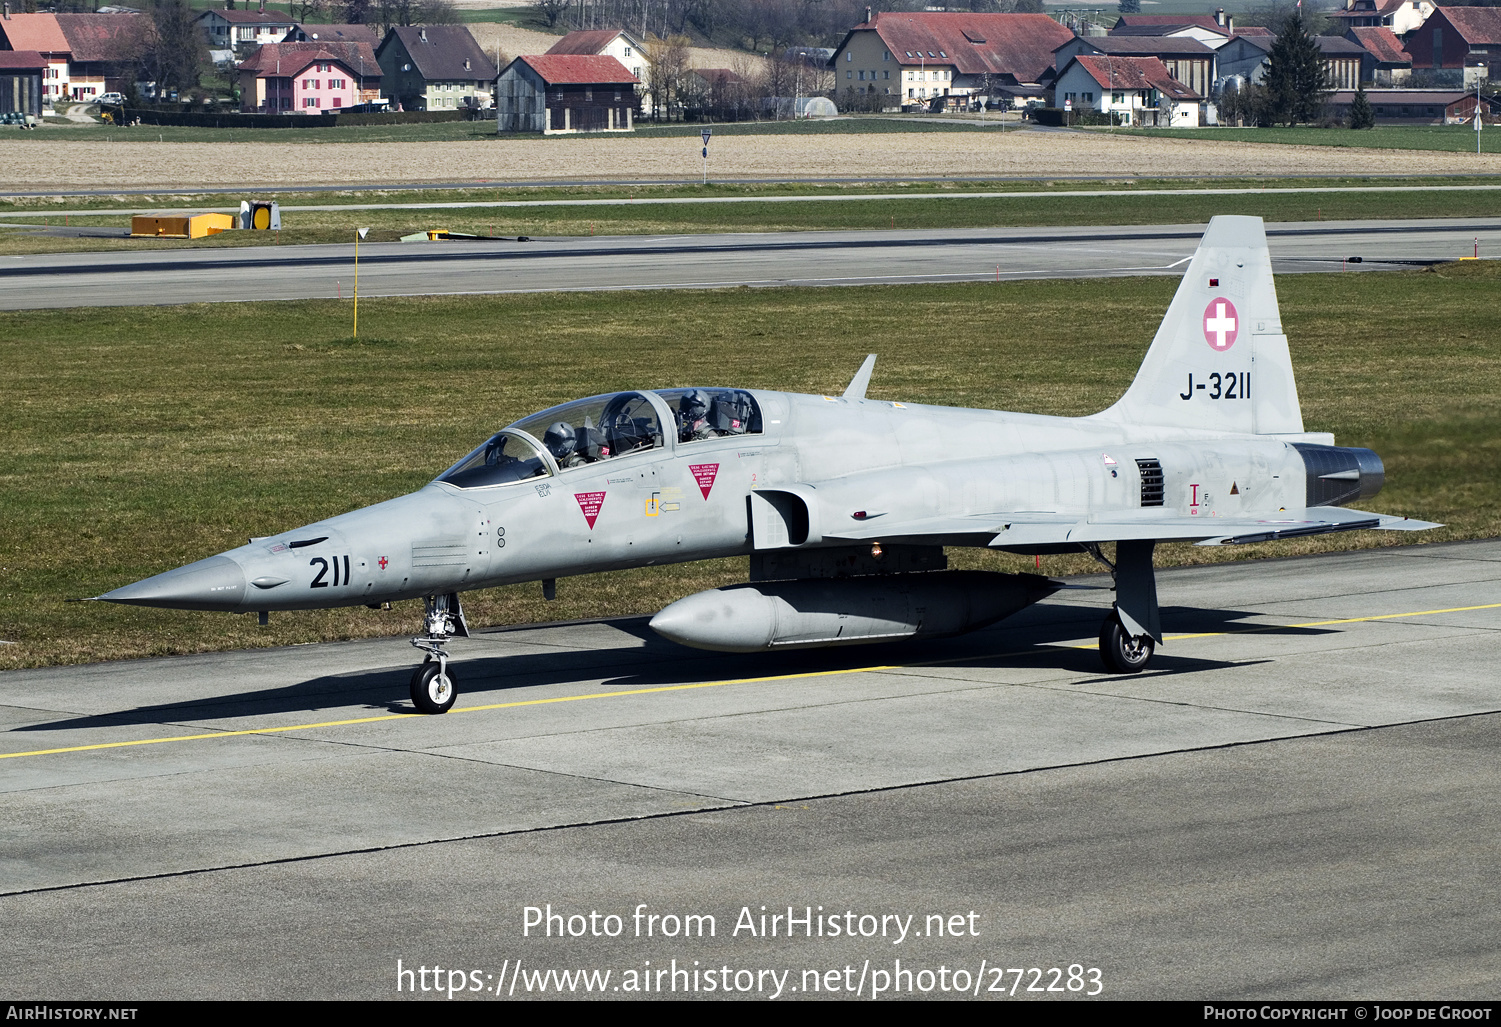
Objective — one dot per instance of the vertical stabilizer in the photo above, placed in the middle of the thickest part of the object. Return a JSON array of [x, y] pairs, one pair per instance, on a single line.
[[1219, 360]]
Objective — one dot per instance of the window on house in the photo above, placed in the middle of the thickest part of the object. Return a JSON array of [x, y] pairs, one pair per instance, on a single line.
[[588, 94], [886, 74], [627, 51], [885, 55], [849, 56], [862, 76], [849, 74], [307, 101], [1089, 98]]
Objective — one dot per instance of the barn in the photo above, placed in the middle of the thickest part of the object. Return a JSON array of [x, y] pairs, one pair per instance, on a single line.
[[557, 93]]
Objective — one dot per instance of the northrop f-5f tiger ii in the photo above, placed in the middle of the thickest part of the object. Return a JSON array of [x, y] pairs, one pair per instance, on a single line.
[[845, 504]]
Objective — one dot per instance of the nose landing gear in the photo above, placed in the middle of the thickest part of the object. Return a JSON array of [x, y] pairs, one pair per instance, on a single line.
[[433, 688]]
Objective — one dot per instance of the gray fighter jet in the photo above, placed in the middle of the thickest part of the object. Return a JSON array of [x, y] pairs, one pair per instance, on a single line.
[[845, 504]]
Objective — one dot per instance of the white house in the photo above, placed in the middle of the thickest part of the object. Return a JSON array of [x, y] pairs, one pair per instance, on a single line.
[[242, 30], [1137, 89]]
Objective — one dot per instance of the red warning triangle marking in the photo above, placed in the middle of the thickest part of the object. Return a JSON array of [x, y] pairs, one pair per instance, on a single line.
[[589, 503], [704, 474]]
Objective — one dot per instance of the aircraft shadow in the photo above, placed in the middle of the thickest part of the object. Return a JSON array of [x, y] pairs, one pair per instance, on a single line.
[[1023, 640]]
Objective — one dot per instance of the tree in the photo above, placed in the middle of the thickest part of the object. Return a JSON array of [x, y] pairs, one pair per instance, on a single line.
[[669, 63], [307, 10], [1361, 115], [1029, 7], [1296, 80], [177, 55], [1129, 7], [552, 10]]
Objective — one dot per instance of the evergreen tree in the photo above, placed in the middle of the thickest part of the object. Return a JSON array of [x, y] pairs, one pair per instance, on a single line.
[[1361, 115], [1295, 77], [1129, 6]]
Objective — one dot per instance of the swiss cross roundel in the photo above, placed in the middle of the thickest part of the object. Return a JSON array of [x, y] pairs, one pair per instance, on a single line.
[[1221, 324]]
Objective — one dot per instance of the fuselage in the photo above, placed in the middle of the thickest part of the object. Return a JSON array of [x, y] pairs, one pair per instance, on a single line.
[[855, 461]]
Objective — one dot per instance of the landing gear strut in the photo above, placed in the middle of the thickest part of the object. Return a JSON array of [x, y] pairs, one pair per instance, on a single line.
[[1130, 634], [433, 688]]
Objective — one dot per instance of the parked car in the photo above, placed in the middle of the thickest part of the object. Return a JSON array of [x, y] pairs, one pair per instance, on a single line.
[[111, 99]]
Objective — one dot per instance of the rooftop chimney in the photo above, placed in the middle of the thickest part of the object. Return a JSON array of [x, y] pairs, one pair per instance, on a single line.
[[7, 11], [1219, 16], [867, 16]]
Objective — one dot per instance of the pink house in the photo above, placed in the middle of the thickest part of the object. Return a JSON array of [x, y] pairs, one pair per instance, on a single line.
[[299, 78]]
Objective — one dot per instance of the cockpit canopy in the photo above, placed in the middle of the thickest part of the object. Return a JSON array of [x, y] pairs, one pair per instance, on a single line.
[[588, 431]]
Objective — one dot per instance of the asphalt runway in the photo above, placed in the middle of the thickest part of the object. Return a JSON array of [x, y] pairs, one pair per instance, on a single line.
[[705, 261], [1299, 799]]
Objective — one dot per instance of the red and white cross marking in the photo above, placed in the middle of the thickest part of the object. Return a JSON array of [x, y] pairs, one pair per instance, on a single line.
[[1220, 324]]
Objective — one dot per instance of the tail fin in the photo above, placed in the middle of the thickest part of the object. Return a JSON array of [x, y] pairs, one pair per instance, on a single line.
[[1219, 361]]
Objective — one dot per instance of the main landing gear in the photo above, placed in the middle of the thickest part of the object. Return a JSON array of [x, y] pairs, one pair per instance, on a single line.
[[1121, 651], [1130, 634], [433, 688]]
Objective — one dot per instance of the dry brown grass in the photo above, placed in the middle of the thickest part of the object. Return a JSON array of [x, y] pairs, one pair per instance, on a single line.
[[40, 164]]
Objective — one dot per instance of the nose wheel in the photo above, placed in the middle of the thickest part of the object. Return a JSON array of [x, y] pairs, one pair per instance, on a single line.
[[433, 688]]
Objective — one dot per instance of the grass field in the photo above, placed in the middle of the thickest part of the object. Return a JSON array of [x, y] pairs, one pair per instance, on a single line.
[[135, 439], [1456, 138], [903, 212]]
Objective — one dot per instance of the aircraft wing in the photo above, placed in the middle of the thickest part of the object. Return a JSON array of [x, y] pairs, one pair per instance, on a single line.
[[1042, 528]]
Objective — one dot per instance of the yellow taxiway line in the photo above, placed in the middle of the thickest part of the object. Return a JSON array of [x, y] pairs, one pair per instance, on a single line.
[[679, 688]]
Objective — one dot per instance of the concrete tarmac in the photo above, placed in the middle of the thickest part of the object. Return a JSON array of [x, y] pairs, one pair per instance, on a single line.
[[1297, 800], [705, 261]]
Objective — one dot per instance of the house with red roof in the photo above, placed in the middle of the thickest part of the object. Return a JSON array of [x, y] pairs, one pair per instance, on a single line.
[[1137, 90], [565, 93], [1458, 45], [241, 29], [1213, 30], [1186, 59], [309, 78], [1401, 16], [86, 54], [917, 57], [616, 43], [1386, 61]]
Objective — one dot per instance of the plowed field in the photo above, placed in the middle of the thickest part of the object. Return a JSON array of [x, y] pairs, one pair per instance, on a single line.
[[38, 164]]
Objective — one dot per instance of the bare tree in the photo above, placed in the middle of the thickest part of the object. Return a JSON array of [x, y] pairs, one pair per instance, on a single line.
[[552, 10], [356, 12], [178, 54], [669, 63], [309, 9]]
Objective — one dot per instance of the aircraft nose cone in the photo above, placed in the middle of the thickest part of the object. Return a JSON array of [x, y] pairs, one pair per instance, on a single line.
[[217, 583]]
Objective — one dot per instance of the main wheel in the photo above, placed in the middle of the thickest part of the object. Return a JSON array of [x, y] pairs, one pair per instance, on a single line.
[[1121, 652], [432, 689]]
